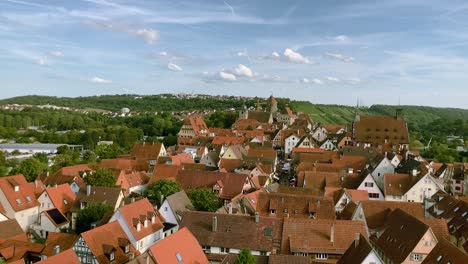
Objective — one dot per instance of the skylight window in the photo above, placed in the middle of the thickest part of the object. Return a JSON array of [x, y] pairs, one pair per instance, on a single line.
[[179, 257], [65, 202], [28, 198], [18, 201]]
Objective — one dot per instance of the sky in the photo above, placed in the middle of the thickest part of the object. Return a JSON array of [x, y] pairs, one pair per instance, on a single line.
[[325, 51]]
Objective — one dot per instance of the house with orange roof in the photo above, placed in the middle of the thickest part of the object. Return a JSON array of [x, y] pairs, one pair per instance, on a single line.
[[119, 163], [177, 159], [181, 247], [210, 160], [141, 223], [370, 185], [60, 196], [227, 140], [193, 127], [146, 155], [19, 200], [320, 134], [58, 242], [67, 256], [105, 244], [286, 116], [3, 216], [173, 207], [197, 152], [132, 182], [343, 196], [72, 175]]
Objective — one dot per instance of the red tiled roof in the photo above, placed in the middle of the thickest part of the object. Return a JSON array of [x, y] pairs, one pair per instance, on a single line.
[[271, 153], [141, 210], [245, 124], [59, 194], [14, 250], [314, 236], [64, 240], [227, 140], [381, 130], [144, 152], [11, 229], [229, 165], [24, 198], [67, 256], [198, 125], [108, 234], [376, 212], [164, 171], [333, 129], [182, 245], [446, 252], [118, 163]]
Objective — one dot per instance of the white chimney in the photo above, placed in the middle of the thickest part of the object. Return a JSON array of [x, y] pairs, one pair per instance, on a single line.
[[356, 240], [415, 172], [229, 208], [56, 249], [88, 190]]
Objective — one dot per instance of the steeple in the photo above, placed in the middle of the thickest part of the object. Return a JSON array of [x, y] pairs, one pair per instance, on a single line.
[[273, 105], [357, 114]]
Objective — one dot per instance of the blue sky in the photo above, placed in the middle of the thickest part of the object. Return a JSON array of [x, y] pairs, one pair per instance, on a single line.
[[324, 51]]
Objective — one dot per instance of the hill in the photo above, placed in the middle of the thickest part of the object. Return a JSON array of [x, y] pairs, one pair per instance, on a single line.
[[332, 114]]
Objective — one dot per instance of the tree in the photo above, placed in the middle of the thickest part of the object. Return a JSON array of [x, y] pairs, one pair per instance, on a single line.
[[105, 151], [204, 199], [245, 257], [161, 188], [30, 168], [102, 177], [92, 213], [88, 157]]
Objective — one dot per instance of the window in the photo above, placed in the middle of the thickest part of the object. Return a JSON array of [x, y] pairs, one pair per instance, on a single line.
[[127, 248], [112, 256], [285, 210], [18, 201], [206, 249], [16, 188], [273, 211], [141, 244], [28, 198], [321, 256], [263, 253], [268, 232], [224, 250], [369, 184], [179, 257], [416, 257], [65, 202], [296, 211], [165, 209]]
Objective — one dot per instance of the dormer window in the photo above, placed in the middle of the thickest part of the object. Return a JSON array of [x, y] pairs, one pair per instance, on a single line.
[[112, 256], [153, 219], [138, 226], [65, 202], [273, 211], [28, 198], [16, 188], [18, 201], [146, 223], [312, 215], [127, 248]]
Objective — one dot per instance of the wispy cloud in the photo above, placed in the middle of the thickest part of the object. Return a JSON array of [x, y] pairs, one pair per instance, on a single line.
[[311, 81], [174, 67], [99, 80], [56, 53], [339, 56], [149, 35]]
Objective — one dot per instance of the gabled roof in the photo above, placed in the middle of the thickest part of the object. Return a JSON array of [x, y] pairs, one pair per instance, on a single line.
[[56, 217], [233, 182], [99, 194], [22, 199], [198, 125], [229, 165], [139, 212], [438, 226], [377, 212], [179, 203], [227, 140], [127, 180], [234, 231], [13, 250], [288, 259], [119, 163], [62, 197], [180, 247], [67, 256], [107, 238], [333, 129], [178, 159], [11, 229], [381, 129], [398, 184], [445, 252], [164, 171], [402, 233], [357, 252], [295, 205], [315, 236], [143, 152], [260, 116], [242, 124], [64, 240]]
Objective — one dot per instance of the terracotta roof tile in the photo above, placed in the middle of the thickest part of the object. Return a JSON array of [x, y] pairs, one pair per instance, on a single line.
[[67, 256], [315, 236], [229, 165], [13, 250], [381, 129], [357, 252], [376, 212], [227, 140], [234, 231], [62, 197], [64, 240], [446, 252], [164, 171], [145, 211], [22, 199], [181, 246], [11, 229], [119, 163], [109, 235]]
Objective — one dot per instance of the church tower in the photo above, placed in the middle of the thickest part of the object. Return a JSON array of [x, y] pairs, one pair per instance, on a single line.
[[273, 106]]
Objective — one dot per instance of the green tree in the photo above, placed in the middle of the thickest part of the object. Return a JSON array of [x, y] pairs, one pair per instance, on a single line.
[[88, 156], [92, 213], [204, 199], [102, 177], [104, 151], [30, 168], [245, 257], [161, 188]]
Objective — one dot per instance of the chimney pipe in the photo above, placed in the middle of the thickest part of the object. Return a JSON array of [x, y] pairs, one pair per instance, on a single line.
[[229, 208], [356, 240], [214, 226], [88, 190], [56, 249], [332, 233], [257, 217], [415, 172]]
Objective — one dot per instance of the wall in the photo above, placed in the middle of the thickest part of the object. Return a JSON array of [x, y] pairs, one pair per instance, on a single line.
[[424, 247], [384, 167], [373, 189]]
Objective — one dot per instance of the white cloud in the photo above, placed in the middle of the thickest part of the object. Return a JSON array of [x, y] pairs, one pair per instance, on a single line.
[[163, 53], [341, 38], [340, 57], [56, 53], [100, 80], [174, 67], [312, 81], [227, 76], [243, 71], [42, 61], [275, 54], [353, 81], [295, 57], [149, 35], [332, 79]]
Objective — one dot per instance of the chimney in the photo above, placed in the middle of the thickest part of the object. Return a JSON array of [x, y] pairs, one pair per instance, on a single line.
[[415, 172], [47, 174], [356, 240], [273, 251], [132, 200], [229, 208], [36, 183], [257, 217], [214, 226], [56, 249], [88, 190], [332, 233]]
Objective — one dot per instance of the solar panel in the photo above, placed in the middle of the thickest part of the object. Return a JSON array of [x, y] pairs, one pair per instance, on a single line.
[[57, 216]]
